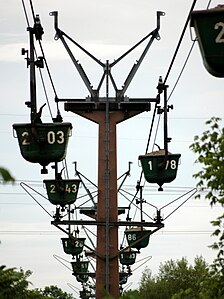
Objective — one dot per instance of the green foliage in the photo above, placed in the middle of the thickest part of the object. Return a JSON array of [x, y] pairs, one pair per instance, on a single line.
[[14, 284], [177, 278], [6, 176], [53, 292], [131, 295], [186, 294], [210, 150]]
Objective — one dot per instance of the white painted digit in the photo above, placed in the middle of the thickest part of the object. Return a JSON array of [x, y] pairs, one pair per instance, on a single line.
[[60, 138], [150, 165], [51, 137], [167, 164], [173, 164], [220, 36], [67, 188], [52, 188], [74, 188], [25, 136]]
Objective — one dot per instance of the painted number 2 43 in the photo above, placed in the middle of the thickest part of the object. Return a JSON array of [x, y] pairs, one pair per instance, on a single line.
[[220, 36]]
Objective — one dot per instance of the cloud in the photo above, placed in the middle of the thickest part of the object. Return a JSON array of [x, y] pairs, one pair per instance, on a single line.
[[11, 52]]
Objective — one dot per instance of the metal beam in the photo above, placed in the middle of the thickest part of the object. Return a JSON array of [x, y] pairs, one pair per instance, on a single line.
[[111, 223]]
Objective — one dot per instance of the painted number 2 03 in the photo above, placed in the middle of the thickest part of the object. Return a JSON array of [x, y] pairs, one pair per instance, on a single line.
[[220, 36], [52, 137]]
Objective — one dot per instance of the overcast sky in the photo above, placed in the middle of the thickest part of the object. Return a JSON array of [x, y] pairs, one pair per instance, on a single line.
[[106, 29]]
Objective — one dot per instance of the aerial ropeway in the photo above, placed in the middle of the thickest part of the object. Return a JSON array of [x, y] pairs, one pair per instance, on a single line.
[[46, 143]]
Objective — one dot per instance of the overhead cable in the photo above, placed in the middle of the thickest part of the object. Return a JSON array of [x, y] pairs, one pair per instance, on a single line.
[[180, 41]]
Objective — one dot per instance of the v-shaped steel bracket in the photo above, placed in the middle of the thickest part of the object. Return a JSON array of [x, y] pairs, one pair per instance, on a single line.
[[94, 93]]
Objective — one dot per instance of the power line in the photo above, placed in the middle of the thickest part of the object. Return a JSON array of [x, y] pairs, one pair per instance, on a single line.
[[25, 12], [45, 60], [41, 232], [180, 41]]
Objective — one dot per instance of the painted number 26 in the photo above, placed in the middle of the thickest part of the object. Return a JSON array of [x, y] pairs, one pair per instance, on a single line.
[[220, 36]]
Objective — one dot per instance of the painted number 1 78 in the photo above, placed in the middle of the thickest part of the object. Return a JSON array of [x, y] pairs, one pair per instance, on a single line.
[[169, 164]]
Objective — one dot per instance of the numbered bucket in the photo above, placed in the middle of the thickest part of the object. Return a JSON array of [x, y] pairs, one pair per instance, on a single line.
[[85, 294], [62, 192], [43, 143], [209, 29], [137, 237], [80, 267], [127, 257], [123, 278], [79, 270], [82, 278], [158, 168], [73, 246]]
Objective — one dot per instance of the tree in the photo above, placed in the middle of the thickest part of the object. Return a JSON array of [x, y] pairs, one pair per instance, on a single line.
[[175, 278], [53, 292], [131, 294], [6, 175], [14, 284], [210, 150]]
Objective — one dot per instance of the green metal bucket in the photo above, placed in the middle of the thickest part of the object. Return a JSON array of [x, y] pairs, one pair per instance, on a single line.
[[137, 238], [85, 294], [127, 257], [82, 278], [159, 169], [80, 267], [43, 143], [209, 28], [62, 192], [73, 246]]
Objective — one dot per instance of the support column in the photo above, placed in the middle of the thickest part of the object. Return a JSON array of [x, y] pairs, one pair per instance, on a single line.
[[107, 267]]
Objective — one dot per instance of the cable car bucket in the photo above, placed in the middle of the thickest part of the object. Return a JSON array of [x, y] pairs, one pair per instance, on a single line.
[[62, 192], [158, 168], [80, 267], [161, 166], [73, 246], [137, 237], [209, 28], [43, 143], [127, 257]]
